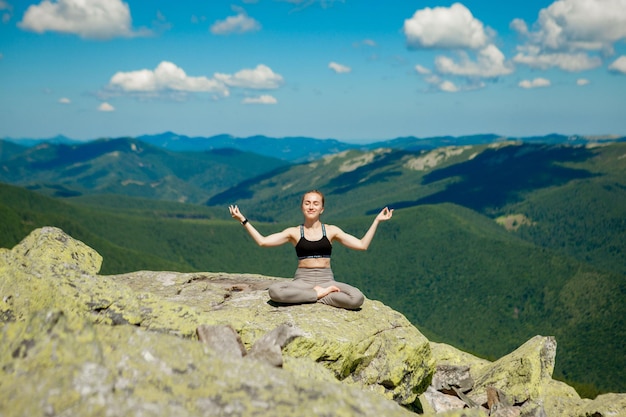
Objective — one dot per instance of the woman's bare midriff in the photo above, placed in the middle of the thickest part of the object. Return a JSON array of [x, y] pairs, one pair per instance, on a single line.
[[314, 263]]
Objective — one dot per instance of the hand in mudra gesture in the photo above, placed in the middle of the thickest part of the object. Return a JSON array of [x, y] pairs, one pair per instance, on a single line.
[[385, 214]]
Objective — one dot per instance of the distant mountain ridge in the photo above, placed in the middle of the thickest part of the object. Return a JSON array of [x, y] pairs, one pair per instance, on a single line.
[[129, 167], [297, 149]]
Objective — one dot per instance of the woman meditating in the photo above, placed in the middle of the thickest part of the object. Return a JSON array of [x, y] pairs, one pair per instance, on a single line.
[[314, 280]]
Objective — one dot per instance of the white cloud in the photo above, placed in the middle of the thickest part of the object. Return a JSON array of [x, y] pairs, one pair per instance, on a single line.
[[567, 61], [581, 25], [448, 86], [169, 80], [65, 100], [455, 27], [165, 77], [537, 82], [619, 65], [339, 68], [263, 99], [490, 63], [582, 81], [439, 84], [260, 78], [106, 107], [241, 23], [568, 32], [369, 42], [422, 70], [303, 4], [95, 19], [445, 27], [519, 26]]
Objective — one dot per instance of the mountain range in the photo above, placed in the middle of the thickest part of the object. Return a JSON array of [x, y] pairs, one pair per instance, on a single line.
[[490, 244], [303, 149]]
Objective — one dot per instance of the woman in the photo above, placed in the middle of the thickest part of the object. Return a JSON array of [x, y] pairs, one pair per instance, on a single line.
[[314, 280]]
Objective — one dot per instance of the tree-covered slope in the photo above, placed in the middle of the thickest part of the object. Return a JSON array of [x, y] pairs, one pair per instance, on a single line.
[[130, 167], [9, 149], [557, 267], [456, 274]]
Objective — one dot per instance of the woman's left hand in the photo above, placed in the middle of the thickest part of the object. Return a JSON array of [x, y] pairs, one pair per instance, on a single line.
[[235, 213], [385, 214]]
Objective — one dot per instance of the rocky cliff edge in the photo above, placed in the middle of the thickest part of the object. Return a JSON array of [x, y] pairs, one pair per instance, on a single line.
[[148, 343]]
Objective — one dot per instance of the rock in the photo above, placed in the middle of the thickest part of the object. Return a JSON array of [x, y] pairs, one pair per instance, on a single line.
[[605, 405], [439, 402], [269, 347], [449, 355], [76, 343], [448, 376], [58, 364], [50, 270], [522, 374], [521, 384], [224, 340], [376, 348]]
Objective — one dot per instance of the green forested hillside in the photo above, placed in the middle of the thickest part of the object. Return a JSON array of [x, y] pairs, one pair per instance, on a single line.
[[9, 149], [558, 267], [456, 274], [130, 167]]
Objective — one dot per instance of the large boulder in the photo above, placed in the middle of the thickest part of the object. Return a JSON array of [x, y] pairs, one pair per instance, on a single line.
[[374, 349], [148, 343], [518, 384], [55, 364]]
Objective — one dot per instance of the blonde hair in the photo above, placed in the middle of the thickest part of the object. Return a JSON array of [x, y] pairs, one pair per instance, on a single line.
[[313, 192]]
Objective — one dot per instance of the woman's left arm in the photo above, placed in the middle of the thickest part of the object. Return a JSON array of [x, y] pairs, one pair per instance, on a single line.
[[353, 242]]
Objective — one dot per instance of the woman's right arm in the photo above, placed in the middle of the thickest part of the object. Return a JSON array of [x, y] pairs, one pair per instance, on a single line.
[[275, 239]]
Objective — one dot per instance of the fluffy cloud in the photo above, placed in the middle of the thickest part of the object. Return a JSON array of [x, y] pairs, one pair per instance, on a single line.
[[490, 63], [582, 81], [263, 99], [581, 24], [422, 70], [95, 19], [456, 28], [241, 23], [567, 31], [65, 100], [537, 82], [567, 61], [167, 79], [106, 107], [260, 78], [445, 27], [339, 68], [619, 65], [439, 84]]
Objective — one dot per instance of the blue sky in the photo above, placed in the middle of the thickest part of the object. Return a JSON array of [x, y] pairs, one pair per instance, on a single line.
[[352, 70]]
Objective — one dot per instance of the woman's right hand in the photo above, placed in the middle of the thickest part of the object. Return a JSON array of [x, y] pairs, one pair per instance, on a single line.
[[235, 213]]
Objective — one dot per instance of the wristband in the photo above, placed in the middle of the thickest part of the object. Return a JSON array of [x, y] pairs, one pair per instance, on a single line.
[[243, 223]]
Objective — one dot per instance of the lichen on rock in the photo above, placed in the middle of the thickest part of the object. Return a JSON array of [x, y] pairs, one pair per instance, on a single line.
[[73, 342]]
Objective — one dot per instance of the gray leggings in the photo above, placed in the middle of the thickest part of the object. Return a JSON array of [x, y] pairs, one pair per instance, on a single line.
[[300, 290]]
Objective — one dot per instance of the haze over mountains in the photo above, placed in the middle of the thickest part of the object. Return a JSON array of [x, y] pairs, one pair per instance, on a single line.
[[301, 149], [492, 241]]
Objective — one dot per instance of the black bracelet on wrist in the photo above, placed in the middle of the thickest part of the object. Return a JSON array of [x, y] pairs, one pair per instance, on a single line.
[[243, 223]]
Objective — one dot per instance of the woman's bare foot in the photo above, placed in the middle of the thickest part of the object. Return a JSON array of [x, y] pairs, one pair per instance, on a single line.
[[323, 292]]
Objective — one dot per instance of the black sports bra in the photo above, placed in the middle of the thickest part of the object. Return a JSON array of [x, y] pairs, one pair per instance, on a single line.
[[306, 249]]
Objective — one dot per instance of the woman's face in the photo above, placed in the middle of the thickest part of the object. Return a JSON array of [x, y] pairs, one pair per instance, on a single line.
[[312, 205]]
